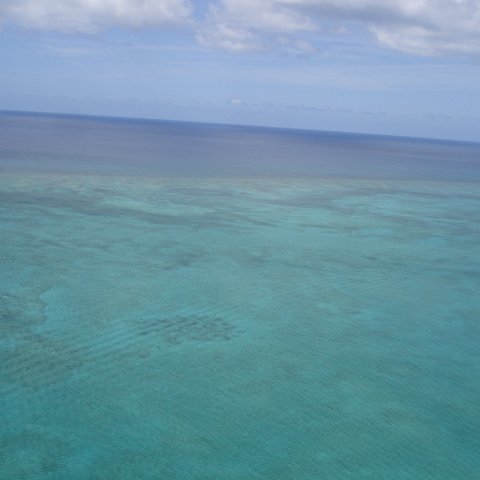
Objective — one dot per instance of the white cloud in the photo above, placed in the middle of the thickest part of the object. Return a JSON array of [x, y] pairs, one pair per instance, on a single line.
[[89, 16], [298, 27], [423, 27], [265, 15], [228, 36], [254, 25]]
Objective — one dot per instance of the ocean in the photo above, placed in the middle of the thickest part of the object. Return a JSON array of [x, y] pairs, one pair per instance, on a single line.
[[198, 301]]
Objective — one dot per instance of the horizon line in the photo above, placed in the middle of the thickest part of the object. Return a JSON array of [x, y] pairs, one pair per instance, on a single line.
[[239, 125]]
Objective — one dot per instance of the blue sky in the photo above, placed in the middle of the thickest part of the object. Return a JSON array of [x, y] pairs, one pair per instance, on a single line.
[[408, 67]]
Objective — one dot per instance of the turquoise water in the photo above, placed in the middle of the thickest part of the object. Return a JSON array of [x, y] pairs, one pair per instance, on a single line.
[[159, 320]]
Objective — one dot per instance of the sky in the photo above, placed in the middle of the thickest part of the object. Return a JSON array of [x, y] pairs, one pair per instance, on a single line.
[[397, 67]]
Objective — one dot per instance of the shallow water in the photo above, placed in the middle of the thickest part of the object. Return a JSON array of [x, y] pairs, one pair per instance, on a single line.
[[237, 326]]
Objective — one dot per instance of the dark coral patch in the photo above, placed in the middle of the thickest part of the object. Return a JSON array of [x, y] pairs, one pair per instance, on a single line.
[[19, 313], [193, 328]]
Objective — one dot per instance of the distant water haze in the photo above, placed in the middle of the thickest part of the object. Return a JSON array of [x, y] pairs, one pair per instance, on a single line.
[[64, 143]]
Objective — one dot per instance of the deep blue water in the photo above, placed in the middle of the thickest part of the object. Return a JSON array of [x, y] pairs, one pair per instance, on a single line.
[[194, 301], [71, 144]]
